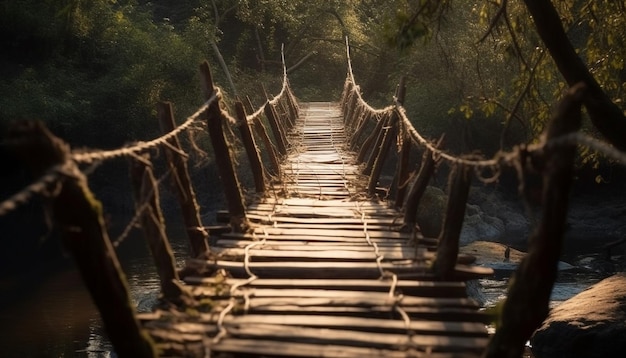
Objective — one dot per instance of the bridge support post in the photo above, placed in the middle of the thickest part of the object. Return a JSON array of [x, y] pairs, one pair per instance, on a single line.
[[147, 204], [358, 132], [379, 162], [78, 216], [418, 188], [527, 304], [279, 136], [378, 145], [258, 172], [402, 170], [448, 249], [367, 144], [215, 118], [181, 183]]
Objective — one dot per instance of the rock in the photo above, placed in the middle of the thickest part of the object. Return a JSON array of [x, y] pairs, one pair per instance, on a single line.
[[591, 324], [480, 226], [431, 211], [492, 254]]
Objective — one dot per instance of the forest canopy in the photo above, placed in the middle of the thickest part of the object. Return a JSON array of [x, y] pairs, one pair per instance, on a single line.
[[480, 71]]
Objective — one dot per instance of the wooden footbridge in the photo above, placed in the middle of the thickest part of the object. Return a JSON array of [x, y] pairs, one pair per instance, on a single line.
[[323, 260], [324, 270]]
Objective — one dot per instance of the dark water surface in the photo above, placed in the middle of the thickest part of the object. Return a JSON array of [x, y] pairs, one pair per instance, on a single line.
[[53, 315]]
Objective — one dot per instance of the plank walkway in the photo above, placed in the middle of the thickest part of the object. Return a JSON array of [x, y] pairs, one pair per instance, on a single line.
[[325, 271]]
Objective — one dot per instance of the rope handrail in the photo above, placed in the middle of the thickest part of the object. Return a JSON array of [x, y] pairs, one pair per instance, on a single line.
[[284, 88], [497, 160], [89, 157]]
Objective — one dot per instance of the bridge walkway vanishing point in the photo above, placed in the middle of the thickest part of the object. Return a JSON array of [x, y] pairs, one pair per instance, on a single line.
[[324, 270]]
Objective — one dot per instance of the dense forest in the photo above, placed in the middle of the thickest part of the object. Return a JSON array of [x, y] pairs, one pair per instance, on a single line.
[[93, 70]]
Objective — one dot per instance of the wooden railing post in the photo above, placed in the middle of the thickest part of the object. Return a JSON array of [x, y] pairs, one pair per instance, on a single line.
[[378, 145], [293, 104], [223, 160], [279, 136], [402, 172], [258, 172], [181, 183], [367, 144], [267, 142], [427, 168], [448, 249], [78, 216], [147, 201], [528, 299], [377, 169], [350, 105], [354, 139]]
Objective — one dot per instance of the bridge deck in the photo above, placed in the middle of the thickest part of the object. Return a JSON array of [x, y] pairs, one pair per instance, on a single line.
[[324, 271]]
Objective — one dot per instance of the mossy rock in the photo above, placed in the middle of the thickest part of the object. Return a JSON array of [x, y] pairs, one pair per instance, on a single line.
[[431, 211]]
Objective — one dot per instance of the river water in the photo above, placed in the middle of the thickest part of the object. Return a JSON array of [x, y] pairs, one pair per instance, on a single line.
[[55, 317]]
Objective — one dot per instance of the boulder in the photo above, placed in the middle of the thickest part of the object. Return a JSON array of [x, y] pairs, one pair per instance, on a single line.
[[431, 211], [589, 325]]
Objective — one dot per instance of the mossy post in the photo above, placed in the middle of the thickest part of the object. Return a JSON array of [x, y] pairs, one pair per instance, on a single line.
[[448, 248], [147, 201], [528, 299], [258, 172], [78, 216], [181, 183], [224, 162]]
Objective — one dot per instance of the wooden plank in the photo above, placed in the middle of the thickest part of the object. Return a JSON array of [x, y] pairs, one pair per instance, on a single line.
[[333, 269], [415, 288], [308, 253], [275, 348], [320, 297], [364, 339], [422, 328], [357, 231]]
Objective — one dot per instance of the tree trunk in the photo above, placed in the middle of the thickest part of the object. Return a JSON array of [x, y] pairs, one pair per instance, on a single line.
[[605, 115]]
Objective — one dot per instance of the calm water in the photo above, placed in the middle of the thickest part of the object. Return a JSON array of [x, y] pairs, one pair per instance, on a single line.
[[56, 317]]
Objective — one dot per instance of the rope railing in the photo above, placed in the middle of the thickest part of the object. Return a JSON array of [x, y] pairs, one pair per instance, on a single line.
[[551, 156]]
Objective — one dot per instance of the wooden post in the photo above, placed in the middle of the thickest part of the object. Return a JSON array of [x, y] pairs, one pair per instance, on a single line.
[[380, 138], [147, 199], [418, 188], [353, 122], [527, 304], [354, 140], [270, 113], [287, 116], [402, 172], [258, 172], [350, 106], [78, 216], [181, 183], [367, 144], [267, 142], [223, 160], [382, 155], [293, 103], [448, 248]]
